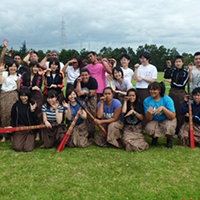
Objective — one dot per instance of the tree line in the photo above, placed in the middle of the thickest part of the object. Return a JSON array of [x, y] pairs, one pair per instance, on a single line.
[[159, 55]]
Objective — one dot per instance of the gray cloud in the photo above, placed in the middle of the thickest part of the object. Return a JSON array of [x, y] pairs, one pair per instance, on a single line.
[[92, 24]]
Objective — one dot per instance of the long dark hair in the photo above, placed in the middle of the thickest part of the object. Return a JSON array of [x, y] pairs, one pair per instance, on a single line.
[[57, 62], [80, 64], [28, 73], [157, 86], [69, 92], [51, 94], [25, 92], [136, 102]]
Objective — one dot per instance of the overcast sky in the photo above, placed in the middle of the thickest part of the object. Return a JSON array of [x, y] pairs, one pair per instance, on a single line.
[[94, 24]]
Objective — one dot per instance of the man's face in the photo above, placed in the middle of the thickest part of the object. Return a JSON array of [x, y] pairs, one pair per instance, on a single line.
[[144, 61], [85, 77], [18, 59], [54, 55], [34, 57], [92, 58], [197, 60]]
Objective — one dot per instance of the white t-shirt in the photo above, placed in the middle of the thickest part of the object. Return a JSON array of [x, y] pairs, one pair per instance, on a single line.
[[9, 83], [128, 73], [47, 65], [149, 71], [124, 86], [195, 77], [72, 75]]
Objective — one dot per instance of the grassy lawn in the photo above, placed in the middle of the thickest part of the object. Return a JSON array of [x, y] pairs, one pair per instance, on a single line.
[[100, 173]]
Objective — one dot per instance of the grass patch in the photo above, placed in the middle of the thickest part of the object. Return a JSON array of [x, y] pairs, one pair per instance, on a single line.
[[100, 173]]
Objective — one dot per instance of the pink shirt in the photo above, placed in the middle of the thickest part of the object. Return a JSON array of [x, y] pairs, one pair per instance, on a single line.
[[97, 71]]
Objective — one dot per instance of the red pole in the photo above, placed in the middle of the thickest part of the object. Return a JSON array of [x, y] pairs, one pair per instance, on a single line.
[[192, 141], [21, 128]]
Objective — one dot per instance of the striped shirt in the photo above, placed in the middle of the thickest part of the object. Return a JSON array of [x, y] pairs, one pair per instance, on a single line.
[[51, 113]]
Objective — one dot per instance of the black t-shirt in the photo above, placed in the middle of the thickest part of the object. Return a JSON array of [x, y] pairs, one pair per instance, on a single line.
[[90, 85], [132, 119]]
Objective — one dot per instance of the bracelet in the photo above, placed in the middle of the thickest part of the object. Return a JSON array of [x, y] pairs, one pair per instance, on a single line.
[[136, 114]]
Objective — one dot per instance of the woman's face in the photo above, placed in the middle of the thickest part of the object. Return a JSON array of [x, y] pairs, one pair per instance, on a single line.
[[154, 93], [75, 63], [24, 99], [13, 69], [108, 95], [35, 69], [54, 67], [132, 96], [117, 74], [52, 100], [72, 97]]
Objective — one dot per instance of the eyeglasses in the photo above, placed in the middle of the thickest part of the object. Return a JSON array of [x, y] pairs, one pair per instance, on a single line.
[[74, 62]]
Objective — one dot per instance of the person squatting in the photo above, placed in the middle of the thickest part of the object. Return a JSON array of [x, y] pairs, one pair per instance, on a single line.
[[102, 95]]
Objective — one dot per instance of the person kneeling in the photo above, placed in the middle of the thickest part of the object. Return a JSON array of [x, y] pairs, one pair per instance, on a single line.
[[160, 112], [79, 134], [195, 103], [109, 115], [24, 113], [52, 115]]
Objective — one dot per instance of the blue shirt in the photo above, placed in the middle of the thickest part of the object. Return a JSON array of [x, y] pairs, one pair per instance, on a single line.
[[165, 101], [74, 110], [108, 112]]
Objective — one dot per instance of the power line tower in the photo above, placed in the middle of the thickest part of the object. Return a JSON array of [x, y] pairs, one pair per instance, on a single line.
[[63, 34]]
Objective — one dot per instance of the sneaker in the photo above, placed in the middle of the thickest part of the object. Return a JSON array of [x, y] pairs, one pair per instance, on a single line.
[[169, 144], [154, 141]]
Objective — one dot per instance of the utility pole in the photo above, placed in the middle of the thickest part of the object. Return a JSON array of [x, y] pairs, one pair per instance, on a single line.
[[63, 34]]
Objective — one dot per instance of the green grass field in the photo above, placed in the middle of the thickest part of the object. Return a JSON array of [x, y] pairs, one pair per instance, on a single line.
[[100, 173]]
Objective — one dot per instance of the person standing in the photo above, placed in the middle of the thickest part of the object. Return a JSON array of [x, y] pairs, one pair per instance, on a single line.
[[194, 71], [97, 70], [144, 74], [128, 72], [10, 81], [178, 78]]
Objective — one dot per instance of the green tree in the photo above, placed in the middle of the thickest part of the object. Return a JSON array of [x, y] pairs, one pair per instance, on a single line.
[[23, 49]]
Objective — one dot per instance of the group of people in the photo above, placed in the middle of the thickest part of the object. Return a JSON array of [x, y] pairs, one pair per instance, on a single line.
[[99, 94]]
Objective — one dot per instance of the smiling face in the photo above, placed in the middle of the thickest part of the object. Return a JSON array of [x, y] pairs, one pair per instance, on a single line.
[[124, 62], [35, 69], [155, 93], [196, 98], [54, 67], [52, 100], [132, 96], [92, 58], [24, 99], [117, 74], [13, 69], [72, 97], [85, 77]]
